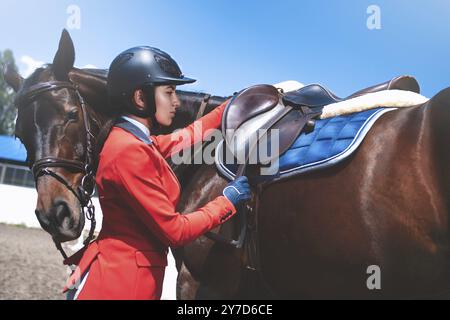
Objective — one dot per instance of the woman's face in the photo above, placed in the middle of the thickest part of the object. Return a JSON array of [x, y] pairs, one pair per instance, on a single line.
[[166, 104]]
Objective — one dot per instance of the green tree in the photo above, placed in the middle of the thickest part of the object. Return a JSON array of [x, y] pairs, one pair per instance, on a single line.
[[7, 109]]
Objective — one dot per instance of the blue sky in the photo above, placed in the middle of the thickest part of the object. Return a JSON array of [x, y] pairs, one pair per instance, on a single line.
[[228, 44]]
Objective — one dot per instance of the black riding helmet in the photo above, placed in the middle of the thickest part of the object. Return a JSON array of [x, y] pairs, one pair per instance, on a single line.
[[141, 68]]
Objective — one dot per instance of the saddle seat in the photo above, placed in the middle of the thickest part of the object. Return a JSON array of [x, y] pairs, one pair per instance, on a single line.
[[316, 96]]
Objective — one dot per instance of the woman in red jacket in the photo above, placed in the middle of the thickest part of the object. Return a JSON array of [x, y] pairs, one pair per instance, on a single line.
[[138, 191]]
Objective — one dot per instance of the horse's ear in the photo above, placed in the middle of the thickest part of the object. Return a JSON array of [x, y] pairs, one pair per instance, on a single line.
[[12, 77], [65, 57]]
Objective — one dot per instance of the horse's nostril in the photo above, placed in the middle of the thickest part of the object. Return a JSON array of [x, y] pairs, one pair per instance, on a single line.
[[62, 212], [42, 218]]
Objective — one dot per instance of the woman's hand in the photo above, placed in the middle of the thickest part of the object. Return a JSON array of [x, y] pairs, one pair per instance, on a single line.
[[238, 191]]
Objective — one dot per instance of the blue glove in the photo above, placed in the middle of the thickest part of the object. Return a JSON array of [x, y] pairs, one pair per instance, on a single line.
[[238, 191]]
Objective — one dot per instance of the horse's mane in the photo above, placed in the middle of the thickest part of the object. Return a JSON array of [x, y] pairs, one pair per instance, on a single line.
[[98, 107], [99, 73]]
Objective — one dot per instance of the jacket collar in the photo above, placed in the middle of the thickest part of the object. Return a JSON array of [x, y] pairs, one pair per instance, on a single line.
[[133, 129]]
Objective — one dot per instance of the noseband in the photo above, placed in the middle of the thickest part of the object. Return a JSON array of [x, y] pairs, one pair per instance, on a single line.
[[42, 166]]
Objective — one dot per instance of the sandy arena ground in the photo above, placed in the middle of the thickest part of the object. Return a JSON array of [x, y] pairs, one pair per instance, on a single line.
[[30, 265]]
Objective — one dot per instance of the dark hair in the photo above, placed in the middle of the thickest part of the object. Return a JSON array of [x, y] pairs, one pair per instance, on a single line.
[[125, 104], [120, 105]]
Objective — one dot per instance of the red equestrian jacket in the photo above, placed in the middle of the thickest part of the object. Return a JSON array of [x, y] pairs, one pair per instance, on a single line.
[[138, 193]]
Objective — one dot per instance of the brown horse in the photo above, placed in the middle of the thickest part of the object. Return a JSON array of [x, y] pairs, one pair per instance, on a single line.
[[318, 232], [321, 233]]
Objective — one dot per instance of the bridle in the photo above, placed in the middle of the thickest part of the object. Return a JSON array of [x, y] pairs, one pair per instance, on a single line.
[[42, 166]]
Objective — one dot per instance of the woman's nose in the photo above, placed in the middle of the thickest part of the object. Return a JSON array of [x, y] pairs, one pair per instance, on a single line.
[[176, 102]]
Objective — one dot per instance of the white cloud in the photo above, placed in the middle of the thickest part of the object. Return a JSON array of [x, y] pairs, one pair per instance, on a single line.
[[28, 65], [89, 66]]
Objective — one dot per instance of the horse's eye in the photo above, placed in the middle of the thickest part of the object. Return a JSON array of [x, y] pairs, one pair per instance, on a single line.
[[72, 115]]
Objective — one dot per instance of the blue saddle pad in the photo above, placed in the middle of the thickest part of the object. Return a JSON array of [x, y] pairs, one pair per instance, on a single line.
[[332, 141]]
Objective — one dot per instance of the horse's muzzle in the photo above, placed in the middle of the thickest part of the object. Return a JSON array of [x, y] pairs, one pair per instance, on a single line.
[[59, 222]]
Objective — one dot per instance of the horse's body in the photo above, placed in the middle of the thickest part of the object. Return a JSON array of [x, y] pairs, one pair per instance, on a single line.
[[318, 232]]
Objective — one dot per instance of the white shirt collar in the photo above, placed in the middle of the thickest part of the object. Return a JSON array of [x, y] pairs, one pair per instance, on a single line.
[[141, 126]]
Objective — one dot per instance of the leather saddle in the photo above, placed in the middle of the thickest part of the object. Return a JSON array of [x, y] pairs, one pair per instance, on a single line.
[[263, 107]]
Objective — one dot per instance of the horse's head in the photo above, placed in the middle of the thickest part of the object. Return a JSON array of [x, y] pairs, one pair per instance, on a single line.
[[53, 124]]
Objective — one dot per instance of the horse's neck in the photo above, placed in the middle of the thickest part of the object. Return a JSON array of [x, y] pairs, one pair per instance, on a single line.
[[100, 127]]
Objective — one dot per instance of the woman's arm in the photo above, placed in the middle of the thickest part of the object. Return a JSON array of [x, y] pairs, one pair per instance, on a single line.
[[144, 193], [197, 131]]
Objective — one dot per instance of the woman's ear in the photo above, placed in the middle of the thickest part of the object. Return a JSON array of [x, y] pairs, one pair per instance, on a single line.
[[138, 98]]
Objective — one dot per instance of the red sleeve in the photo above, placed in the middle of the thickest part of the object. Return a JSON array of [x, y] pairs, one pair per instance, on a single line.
[[170, 144], [138, 173]]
